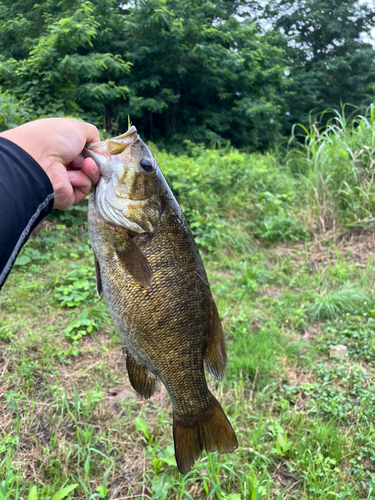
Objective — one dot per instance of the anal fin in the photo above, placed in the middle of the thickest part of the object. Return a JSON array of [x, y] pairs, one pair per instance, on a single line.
[[215, 355], [142, 380]]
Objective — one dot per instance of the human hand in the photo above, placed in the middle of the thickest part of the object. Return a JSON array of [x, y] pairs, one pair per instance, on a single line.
[[57, 144]]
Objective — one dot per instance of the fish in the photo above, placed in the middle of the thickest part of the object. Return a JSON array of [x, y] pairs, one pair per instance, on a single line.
[[152, 277]]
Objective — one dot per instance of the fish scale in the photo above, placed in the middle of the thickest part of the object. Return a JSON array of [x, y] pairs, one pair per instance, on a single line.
[[157, 291]]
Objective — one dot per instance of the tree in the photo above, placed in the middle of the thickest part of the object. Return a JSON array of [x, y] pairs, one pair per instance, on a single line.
[[201, 74], [182, 69], [52, 66], [328, 61]]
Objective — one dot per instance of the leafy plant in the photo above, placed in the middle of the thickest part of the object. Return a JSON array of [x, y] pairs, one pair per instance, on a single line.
[[80, 327], [9, 488], [282, 445], [76, 286]]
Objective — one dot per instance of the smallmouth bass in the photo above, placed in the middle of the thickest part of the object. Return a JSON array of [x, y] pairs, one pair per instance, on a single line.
[[152, 277]]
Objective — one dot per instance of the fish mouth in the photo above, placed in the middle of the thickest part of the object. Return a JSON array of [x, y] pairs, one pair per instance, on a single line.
[[111, 150], [123, 138]]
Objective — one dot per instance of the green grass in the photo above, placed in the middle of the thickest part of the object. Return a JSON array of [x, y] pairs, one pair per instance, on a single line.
[[302, 419], [69, 418], [336, 167]]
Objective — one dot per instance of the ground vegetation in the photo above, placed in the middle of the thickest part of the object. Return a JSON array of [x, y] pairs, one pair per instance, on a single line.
[[289, 254]]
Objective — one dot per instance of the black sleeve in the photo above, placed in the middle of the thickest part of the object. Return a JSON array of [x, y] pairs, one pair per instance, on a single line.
[[26, 197]]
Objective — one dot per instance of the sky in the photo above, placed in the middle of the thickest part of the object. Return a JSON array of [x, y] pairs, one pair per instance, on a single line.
[[372, 4]]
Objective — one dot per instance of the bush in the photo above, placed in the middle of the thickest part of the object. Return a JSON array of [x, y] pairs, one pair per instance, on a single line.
[[218, 188]]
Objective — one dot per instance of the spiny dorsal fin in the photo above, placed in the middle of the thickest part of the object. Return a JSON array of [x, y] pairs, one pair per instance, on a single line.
[[142, 380], [215, 355], [134, 262]]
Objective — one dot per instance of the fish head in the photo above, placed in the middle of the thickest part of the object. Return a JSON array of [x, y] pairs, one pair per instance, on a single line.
[[127, 193]]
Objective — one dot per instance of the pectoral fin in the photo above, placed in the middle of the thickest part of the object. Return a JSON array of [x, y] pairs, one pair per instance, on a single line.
[[142, 380], [99, 289], [215, 355], [134, 262]]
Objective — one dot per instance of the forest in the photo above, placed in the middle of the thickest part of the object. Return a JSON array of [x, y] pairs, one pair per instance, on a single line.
[[231, 72], [261, 116]]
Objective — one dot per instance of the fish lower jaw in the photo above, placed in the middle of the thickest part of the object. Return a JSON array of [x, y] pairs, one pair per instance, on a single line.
[[124, 222], [115, 215]]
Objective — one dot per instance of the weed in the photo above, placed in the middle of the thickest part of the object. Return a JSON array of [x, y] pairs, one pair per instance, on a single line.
[[336, 166], [10, 489], [241, 186], [332, 304], [77, 286]]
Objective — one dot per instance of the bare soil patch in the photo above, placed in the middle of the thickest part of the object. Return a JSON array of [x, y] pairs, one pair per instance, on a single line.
[[298, 377], [288, 480], [357, 246]]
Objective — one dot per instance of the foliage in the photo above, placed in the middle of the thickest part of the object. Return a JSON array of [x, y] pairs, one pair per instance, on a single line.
[[77, 286], [12, 113], [355, 331], [181, 69], [70, 415], [216, 188], [57, 70], [304, 421], [333, 304], [200, 73], [185, 71], [9, 488]]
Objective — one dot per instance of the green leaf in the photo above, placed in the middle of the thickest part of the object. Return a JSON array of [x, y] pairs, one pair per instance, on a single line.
[[103, 492], [168, 459], [59, 495], [33, 493], [22, 260], [142, 427]]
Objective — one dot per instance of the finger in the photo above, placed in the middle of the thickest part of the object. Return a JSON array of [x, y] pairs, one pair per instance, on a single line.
[[76, 163], [90, 168], [64, 198], [81, 184]]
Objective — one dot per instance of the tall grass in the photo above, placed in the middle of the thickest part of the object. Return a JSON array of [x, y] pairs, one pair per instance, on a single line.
[[336, 165], [331, 304]]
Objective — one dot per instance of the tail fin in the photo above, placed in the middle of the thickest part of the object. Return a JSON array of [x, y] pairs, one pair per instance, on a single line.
[[211, 432]]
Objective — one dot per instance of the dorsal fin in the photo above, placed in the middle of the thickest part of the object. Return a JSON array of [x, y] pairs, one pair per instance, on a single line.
[[215, 355]]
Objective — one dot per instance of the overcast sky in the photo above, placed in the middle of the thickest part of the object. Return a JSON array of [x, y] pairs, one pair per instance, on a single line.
[[371, 3]]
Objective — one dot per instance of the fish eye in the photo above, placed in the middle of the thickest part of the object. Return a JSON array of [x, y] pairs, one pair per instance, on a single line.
[[146, 164]]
